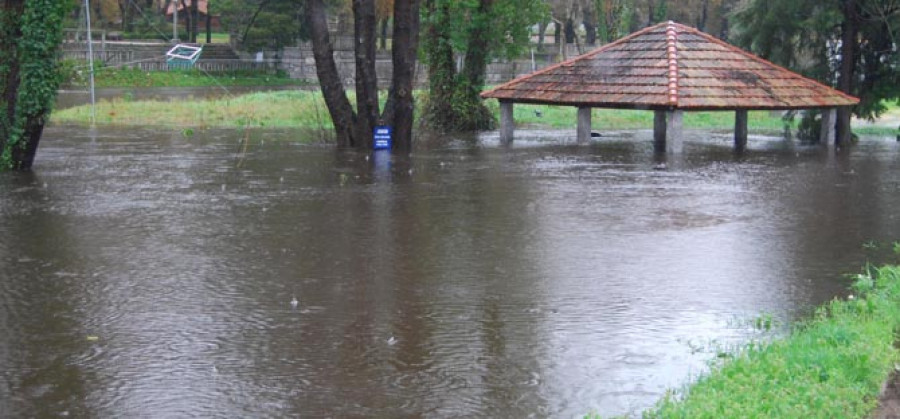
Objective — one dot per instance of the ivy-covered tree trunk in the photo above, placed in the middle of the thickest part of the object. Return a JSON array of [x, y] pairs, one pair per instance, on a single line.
[[30, 34], [453, 98]]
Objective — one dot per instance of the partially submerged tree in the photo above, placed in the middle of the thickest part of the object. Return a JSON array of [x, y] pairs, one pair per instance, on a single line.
[[849, 44], [30, 34], [354, 128], [476, 31]]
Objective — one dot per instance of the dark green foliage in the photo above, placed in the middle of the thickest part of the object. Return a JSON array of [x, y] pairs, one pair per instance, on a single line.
[[805, 36], [613, 19], [30, 34], [263, 24]]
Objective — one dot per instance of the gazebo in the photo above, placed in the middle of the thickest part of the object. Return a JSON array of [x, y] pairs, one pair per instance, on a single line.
[[669, 68]]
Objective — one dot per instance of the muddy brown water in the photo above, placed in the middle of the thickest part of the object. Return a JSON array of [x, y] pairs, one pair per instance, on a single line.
[[146, 274]]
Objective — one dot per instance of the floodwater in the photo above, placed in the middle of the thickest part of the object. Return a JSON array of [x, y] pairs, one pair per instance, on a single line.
[[148, 274]]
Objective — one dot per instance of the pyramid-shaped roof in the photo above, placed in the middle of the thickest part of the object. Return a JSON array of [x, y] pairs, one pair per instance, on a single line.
[[670, 66]]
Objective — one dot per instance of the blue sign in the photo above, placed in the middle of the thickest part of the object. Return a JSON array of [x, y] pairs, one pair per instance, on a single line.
[[383, 137]]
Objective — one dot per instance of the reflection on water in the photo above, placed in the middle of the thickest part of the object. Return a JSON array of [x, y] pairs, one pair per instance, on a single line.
[[147, 274]]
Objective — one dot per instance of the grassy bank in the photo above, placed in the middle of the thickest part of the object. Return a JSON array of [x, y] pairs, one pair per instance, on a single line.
[[833, 365], [76, 74], [304, 109], [294, 109]]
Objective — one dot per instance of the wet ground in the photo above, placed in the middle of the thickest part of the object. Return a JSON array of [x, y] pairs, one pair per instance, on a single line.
[[148, 274]]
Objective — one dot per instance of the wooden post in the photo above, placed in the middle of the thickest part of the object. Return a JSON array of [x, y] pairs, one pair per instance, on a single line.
[[659, 131], [507, 123], [674, 135], [827, 134], [584, 125], [740, 129]]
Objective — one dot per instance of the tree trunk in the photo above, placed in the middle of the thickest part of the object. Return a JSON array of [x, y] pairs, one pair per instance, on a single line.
[[30, 33], [364, 25], [557, 32], [704, 15], [590, 37], [570, 31], [849, 57], [382, 45], [441, 66], [477, 52], [208, 27], [400, 106], [542, 27], [9, 74], [333, 91], [195, 19], [352, 129], [23, 156]]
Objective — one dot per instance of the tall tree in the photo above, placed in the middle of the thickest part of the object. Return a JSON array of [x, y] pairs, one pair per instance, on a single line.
[[477, 30], [263, 24], [354, 128], [30, 34], [613, 19], [849, 44]]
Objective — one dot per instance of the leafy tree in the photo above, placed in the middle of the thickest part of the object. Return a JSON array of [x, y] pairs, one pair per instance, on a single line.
[[849, 44], [263, 24], [613, 22], [478, 30], [354, 127], [30, 34]]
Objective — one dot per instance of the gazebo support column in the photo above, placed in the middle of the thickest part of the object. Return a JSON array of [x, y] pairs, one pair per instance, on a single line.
[[827, 133], [507, 123], [584, 125], [674, 134], [659, 131], [740, 129]]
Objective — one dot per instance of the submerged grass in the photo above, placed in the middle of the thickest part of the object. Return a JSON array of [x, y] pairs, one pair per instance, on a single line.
[[832, 365]]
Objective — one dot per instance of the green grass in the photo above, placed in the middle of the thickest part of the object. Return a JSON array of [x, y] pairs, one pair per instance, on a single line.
[[127, 77], [299, 109], [216, 37], [307, 110], [605, 119], [832, 365]]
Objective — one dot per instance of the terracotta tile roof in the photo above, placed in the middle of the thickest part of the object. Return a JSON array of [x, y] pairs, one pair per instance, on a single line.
[[670, 66]]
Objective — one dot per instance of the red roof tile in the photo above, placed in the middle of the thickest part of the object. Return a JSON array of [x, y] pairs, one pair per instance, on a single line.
[[670, 66]]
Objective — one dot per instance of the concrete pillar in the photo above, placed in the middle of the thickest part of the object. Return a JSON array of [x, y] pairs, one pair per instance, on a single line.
[[674, 135], [507, 123], [584, 125], [827, 134], [659, 131], [740, 129]]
